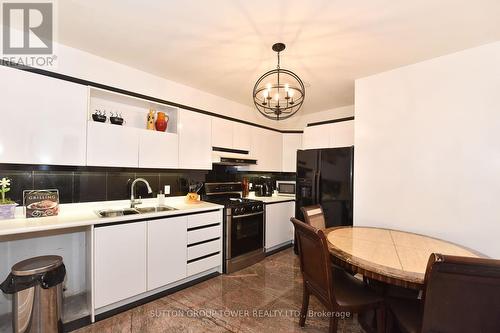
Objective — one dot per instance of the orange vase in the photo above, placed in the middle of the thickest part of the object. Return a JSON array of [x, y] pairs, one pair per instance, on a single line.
[[161, 121]]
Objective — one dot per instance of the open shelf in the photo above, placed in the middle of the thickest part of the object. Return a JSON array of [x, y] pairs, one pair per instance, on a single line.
[[134, 110]]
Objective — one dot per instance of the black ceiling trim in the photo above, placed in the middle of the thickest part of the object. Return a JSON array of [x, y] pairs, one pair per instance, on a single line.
[[128, 93], [292, 132], [330, 121]]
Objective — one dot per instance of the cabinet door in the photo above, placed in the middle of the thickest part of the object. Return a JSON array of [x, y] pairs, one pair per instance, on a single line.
[[43, 119], [120, 262], [267, 149], [342, 134], [274, 150], [242, 136], [112, 145], [158, 150], [291, 143], [222, 133], [316, 137], [195, 140], [279, 229], [167, 251]]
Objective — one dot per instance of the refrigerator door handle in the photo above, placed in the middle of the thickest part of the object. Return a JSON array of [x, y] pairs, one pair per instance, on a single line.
[[317, 185]]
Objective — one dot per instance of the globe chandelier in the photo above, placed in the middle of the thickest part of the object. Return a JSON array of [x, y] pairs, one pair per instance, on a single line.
[[279, 93]]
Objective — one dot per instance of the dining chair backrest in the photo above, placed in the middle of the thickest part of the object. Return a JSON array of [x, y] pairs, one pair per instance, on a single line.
[[462, 294], [313, 215], [314, 260]]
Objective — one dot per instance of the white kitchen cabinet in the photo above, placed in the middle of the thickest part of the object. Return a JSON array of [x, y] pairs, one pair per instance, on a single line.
[[112, 145], [242, 136], [195, 140], [279, 229], [316, 137], [222, 133], [291, 143], [340, 134], [158, 150], [119, 262], [267, 148], [167, 251], [231, 134], [43, 119]]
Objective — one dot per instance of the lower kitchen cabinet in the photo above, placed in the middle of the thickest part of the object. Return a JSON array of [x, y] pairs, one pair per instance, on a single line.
[[279, 229], [119, 262], [138, 257], [167, 255]]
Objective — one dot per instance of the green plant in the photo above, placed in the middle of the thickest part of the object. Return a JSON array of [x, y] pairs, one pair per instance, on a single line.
[[4, 188]]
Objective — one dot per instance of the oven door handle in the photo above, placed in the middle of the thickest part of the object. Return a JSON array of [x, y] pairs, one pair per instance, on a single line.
[[246, 215]]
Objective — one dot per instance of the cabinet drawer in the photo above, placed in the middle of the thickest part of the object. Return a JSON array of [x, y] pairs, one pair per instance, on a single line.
[[204, 264], [204, 234], [204, 249], [199, 220]]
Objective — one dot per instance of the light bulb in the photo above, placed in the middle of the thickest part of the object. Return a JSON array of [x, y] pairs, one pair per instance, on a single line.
[[277, 97], [287, 87], [290, 93], [268, 86], [265, 93]]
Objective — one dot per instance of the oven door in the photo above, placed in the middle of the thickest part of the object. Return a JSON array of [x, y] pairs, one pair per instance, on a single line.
[[245, 234]]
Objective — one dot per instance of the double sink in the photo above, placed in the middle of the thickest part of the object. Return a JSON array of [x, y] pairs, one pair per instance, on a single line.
[[133, 211]]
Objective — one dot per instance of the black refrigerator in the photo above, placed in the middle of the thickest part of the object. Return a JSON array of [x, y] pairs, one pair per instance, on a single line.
[[325, 177]]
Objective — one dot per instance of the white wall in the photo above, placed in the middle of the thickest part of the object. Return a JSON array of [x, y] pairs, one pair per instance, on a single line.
[[427, 140], [80, 64]]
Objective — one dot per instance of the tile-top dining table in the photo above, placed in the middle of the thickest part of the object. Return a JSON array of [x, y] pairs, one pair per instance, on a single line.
[[390, 256]]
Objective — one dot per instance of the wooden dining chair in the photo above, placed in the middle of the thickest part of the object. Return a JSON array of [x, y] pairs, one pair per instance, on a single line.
[[461, 294], [334, 288], [313, 215]]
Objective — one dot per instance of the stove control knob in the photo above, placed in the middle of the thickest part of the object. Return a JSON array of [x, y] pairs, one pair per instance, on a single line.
[[254, 208], [259, 207], [236, 210]]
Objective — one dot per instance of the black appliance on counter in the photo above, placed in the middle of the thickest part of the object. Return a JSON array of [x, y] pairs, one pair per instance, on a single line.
[[243, 225], [264, 187], [325, 177]]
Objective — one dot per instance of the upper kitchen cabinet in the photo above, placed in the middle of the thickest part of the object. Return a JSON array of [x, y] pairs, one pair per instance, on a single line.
[[222, 133], [231, 134], [242, 136], [340, 134], [316, 137], [195, 140], [291, 143], [130, 144], [44, 119], [267, 146]]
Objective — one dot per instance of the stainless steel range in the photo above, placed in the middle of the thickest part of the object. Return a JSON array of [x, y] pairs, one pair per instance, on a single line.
[[243, 225]]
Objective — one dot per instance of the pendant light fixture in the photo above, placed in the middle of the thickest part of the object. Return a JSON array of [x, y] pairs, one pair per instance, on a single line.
[[279, 93]]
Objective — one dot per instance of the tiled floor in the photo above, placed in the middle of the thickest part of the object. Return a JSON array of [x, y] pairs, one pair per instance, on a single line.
[[265, 297]]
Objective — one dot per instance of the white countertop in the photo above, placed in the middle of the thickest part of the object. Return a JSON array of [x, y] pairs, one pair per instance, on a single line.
[[273, 199], [84, 214]]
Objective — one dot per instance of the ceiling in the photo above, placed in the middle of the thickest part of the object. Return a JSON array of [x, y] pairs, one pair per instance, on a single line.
[[223, 46]]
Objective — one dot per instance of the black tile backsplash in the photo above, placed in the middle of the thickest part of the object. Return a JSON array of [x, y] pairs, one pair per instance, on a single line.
[[84, 184], [89, 186], [63, 181]]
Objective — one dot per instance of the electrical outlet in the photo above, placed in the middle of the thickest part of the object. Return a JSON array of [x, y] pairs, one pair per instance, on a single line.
[[167, 190]]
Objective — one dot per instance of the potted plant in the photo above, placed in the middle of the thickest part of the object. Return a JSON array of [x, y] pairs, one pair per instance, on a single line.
[[7, 206]]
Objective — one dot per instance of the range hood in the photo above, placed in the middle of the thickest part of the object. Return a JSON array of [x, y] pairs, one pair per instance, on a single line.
[[232, 157]]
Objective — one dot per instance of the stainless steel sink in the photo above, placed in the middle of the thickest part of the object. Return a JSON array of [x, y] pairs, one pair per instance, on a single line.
[[132, 211], [144, 210]]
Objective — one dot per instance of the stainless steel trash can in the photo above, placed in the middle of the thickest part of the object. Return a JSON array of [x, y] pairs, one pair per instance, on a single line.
[[37, 287]]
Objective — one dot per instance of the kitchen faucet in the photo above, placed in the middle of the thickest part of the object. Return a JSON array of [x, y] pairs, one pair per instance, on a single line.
[[133, 200]]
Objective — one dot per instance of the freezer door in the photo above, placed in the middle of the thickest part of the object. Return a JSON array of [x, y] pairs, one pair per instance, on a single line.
[[334, 185], [306, 194]]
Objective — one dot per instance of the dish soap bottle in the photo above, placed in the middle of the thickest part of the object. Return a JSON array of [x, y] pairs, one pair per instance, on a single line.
[[161, 199]]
